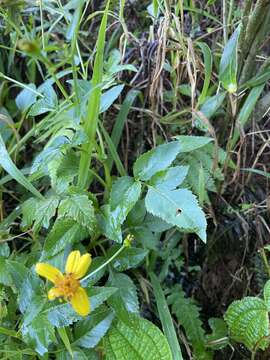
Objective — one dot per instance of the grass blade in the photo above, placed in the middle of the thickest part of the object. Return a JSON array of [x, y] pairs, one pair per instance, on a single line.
[[246, 111], [166, 319], [9, 166], [120, 121], [208, 61], [90, 124]]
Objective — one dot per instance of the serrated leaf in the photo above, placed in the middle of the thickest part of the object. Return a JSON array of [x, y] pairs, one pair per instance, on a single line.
[[126, 298], [169, 179], [79, 208], [45, 211], [248, 322], [110, 223], [124, 195], [189, 143], [5, 277], [179, 208], [188, 316], [90, 331], [18, 272], [30, 287], [64, 232], [228, 63], [61, 315], [155, 160], [39, 334], [129, 258], [139, 340]]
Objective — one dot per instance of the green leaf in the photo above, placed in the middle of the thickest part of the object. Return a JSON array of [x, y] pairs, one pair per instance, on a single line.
[[8, 165], [129, 258], [228, 63], [109, 97], [189, 143], [248, 322], [219, 337], [266, 294], [48, 103], [138, 340], [91, 121], [126, 298], [64, 232], [165, 318], [26, 98], [209, 109], [188, 316], [78, 354], [80, 208], [61, 315], [91, 330], [124, 195], [207, 58], [156, 160], [5, 277], [45, 211], [30, 287], [120, 121], [39, 334], [169, 179], [177, 207], [110, 223], [245, 112]]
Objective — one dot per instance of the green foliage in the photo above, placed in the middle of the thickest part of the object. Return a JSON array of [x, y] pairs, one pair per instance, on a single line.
[[248, 321], [132, 339], [229, 62], [188, 316]]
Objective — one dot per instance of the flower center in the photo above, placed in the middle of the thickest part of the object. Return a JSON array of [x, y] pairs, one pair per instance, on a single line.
[[67, 286]]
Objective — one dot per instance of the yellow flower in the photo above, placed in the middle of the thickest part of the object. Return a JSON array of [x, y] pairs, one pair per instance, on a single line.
[[67, 286]]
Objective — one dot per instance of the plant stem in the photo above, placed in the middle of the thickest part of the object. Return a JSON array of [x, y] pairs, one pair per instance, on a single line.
[[265, 261], [106, 263]]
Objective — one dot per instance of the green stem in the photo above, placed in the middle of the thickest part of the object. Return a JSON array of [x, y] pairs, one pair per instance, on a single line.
[[91, 122], [265, 261], [106, 263]]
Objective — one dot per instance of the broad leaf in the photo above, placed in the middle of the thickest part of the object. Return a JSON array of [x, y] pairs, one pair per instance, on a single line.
[[90, 331], [26, 98], [129, 258], [79, 208], [179, 208], [156, 160], [248, 322], [124, 195], [169, 179], [190, 143], [139, 340], [64, 232], [39, 334], [110, 223], [126, 298]]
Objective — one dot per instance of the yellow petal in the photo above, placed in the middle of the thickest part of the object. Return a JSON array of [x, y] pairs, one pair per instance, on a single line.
[[80, 302], [72, 262], [49, 272], [54, 293], [82, 266]]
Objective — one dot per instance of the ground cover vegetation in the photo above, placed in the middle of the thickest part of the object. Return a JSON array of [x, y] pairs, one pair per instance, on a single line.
[[134, 187]]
